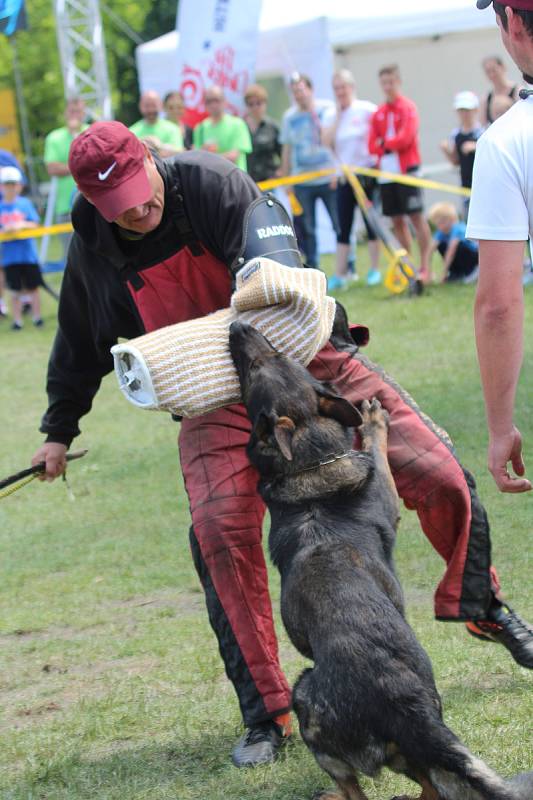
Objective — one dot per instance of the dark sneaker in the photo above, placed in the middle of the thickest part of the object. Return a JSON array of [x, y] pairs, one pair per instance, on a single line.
[[503, 625], [259, 744], [38, 322], [16, 326]]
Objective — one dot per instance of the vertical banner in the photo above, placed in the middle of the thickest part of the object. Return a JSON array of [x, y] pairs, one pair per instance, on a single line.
[[12, 16], [218, 46], [9, 134]]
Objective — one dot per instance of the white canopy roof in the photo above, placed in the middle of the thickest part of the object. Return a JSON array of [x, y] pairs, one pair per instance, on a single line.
[[352, 21]]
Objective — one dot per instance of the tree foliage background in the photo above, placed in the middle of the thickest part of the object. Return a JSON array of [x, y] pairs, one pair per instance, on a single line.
[[40, 69]]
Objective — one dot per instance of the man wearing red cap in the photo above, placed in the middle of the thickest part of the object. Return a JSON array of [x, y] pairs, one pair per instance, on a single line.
[[157, 243], [501, 218]]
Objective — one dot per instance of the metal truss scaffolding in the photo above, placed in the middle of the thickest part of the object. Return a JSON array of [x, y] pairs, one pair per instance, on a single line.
[[80, 39]]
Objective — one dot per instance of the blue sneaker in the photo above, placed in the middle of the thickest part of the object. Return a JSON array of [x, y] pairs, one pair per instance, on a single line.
[[373, 277], [336, 283]]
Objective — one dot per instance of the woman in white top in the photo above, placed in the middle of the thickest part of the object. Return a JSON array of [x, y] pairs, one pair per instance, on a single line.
[[346, 133]]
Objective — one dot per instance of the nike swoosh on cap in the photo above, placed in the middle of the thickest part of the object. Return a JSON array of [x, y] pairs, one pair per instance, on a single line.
[[103, 175]]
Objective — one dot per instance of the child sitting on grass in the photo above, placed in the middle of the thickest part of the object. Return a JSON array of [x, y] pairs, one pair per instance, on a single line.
[[19, 256], [460, 254]]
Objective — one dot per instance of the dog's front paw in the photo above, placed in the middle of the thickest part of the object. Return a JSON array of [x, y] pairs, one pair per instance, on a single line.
[[373, 413]]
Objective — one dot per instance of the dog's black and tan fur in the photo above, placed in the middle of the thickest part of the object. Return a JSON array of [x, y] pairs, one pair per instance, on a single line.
[[370, 699]]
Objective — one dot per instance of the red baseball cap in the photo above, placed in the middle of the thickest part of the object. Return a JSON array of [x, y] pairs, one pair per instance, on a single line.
[[519, 5], [107, 163]]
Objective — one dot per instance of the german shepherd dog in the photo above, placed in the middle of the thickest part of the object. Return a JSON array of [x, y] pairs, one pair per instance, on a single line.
[[370, 699]]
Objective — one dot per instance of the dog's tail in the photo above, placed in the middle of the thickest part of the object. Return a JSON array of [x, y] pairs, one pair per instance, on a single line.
[[456, 774], [523, 785]]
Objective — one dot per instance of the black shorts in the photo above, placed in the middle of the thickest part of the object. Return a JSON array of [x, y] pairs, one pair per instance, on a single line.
[[464, 263], [398, 199], [22, 276], [346, 205]]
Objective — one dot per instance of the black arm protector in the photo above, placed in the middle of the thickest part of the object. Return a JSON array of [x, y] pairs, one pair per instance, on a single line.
[[268, 233]]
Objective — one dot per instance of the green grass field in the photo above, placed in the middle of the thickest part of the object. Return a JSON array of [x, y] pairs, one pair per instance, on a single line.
[[111, 686]]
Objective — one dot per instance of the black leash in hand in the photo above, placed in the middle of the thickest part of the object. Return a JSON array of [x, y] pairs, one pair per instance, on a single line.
[[26, 475]]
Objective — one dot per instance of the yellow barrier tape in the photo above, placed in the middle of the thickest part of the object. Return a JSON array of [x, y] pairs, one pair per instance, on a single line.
[[42, 230], [407, 180], [357, 189], [290, 180], [400, 274], [412, 180]]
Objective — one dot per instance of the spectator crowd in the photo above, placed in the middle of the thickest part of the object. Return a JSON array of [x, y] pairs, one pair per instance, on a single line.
[[315, 136]]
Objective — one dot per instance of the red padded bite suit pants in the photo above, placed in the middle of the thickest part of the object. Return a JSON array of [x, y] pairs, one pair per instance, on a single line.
[[227, 516]]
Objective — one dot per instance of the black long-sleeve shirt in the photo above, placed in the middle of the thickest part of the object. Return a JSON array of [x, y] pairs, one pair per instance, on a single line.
[[95, 306]]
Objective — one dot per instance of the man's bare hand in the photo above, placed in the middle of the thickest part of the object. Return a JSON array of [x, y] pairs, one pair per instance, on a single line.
[[54, 456], [502, 450]]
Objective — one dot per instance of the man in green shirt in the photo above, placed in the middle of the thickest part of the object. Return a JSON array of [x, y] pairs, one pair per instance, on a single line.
[[56, 150], [161, 133], [222, 133]]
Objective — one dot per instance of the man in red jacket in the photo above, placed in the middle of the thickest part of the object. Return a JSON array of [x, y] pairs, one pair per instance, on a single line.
[[393, 137]]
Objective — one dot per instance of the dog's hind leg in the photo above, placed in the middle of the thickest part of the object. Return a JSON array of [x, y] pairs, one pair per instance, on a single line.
[[349, 789], [374, 435], [428, 793], [344, 777]]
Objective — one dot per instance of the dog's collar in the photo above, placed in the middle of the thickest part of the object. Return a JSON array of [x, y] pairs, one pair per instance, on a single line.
[[329, 459]]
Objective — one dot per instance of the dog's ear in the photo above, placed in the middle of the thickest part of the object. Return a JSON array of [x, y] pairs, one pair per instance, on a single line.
[[268, 424], [283, 431], [264, 424], [336, 407]]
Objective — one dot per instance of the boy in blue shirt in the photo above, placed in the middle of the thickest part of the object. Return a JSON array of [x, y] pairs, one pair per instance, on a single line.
[[460, 255], [19, 256]]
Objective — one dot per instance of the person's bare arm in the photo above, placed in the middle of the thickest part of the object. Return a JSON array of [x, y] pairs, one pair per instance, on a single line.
[[56, 169], [468, 147], [449, 256], [20, 225], [285, 159], [483, 112], [450, 152], [499, 314], [328, 132], [285, 166], [231, 155]]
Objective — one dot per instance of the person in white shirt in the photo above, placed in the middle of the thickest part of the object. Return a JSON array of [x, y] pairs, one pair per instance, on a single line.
[[501, 218], [346, 133]]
